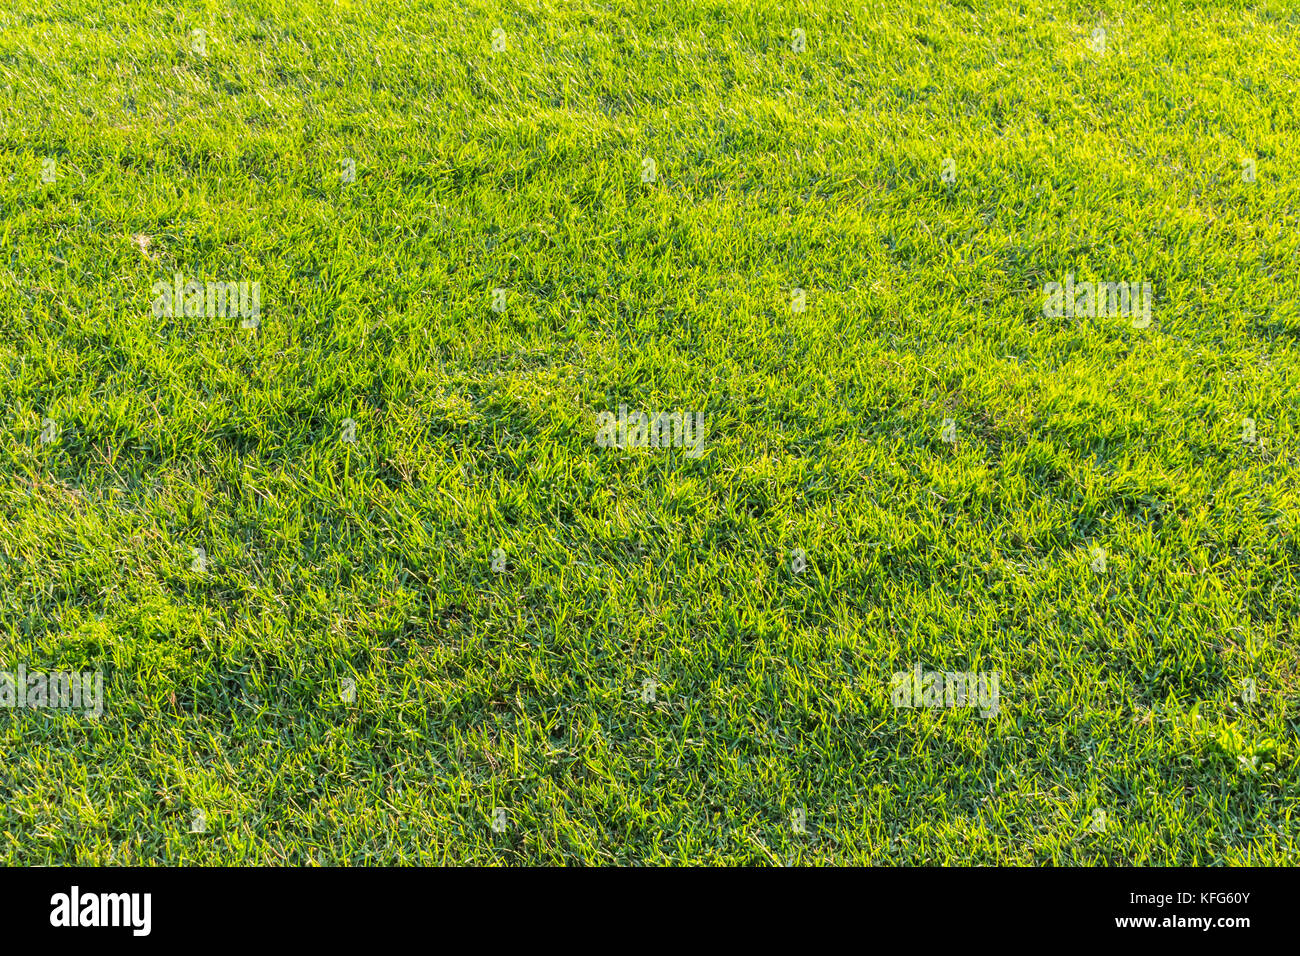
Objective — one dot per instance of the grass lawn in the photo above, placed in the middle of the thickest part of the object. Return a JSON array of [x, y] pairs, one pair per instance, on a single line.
[[364, 586]]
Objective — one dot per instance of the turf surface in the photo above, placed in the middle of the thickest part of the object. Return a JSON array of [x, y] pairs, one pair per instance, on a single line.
[[364, 587]]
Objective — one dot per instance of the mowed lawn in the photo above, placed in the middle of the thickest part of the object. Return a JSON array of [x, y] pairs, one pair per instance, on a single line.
[[364, 587]]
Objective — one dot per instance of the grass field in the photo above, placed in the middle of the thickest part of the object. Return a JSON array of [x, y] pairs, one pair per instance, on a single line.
[[364, 587]]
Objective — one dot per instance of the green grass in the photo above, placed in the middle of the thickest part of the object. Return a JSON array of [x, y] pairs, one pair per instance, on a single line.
[[371, 562]]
